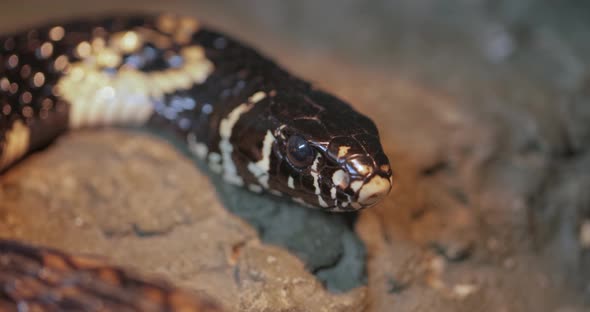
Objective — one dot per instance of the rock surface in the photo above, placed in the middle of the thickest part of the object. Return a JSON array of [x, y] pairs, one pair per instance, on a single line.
[[484, 110]]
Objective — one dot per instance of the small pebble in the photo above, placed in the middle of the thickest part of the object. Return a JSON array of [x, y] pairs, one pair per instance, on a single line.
[[437, 265], [464, 290], [78, 221]]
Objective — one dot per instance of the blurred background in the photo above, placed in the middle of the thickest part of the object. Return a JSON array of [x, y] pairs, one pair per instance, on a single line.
[[484, 110]]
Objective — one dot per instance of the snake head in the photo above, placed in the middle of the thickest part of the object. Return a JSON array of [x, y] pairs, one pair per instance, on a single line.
[[305, 144], [326, 154]]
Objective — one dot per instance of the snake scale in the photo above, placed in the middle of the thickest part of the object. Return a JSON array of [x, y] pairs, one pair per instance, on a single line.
[[243, 115]]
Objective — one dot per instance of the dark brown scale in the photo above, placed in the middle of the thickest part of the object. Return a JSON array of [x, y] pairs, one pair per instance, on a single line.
[[50, 280]]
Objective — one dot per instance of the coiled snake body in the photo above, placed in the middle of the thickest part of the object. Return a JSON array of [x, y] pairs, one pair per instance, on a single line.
[[247, 118]]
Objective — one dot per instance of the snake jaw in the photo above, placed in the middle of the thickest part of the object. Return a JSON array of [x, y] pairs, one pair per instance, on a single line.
[[373, 191]]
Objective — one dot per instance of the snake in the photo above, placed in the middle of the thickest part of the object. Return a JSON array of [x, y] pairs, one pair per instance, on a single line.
[[236, 110]]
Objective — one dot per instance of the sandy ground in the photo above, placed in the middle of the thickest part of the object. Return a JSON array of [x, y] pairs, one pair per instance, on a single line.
[[484, 110]]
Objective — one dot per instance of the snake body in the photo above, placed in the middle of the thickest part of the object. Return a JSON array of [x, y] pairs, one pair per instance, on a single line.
[[249, 119]]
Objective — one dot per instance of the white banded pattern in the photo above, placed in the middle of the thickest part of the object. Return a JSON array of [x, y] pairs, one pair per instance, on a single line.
[[316, 181], [340, 180], [260, 168], [356, 186], [100, 98], [226, 126], [16, 144]]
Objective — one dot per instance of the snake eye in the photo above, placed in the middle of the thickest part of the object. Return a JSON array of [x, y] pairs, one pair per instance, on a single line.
[[299, 153]]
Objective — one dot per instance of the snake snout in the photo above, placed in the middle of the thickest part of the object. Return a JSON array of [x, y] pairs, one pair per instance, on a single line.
[[373, 190], [373, 181]]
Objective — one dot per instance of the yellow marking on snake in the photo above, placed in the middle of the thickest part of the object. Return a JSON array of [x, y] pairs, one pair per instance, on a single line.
[[342, 151]]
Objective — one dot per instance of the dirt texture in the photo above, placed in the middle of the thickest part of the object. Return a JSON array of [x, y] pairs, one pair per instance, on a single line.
[[484, 111]]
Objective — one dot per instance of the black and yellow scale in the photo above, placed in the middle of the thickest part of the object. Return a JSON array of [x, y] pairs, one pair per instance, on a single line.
[[250, 120]]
